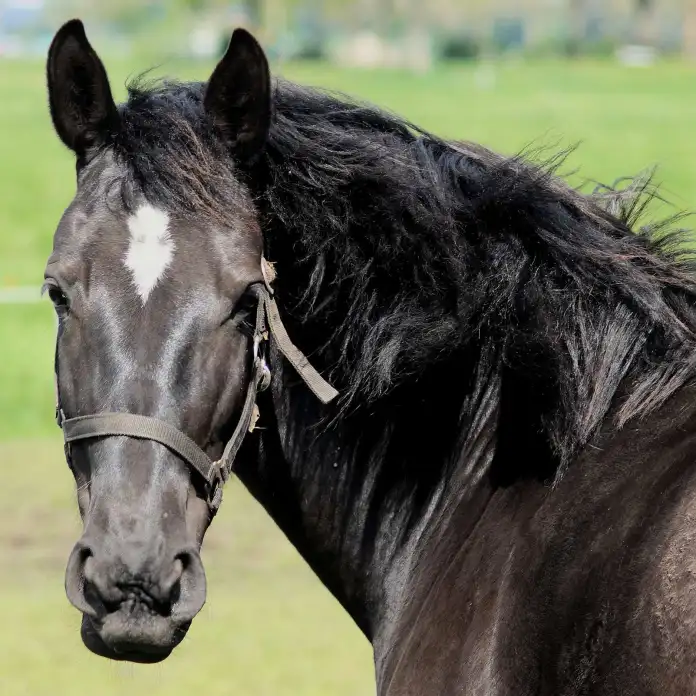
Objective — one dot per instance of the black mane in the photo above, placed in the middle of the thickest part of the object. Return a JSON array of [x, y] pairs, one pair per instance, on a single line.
[[398, 251]]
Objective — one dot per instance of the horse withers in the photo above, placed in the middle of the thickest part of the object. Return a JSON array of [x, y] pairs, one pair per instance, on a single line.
[[475, 383]]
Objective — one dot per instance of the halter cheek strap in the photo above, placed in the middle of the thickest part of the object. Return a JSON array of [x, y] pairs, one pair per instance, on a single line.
[[214, 473]]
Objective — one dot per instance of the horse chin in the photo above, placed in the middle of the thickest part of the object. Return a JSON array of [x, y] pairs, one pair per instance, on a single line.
[[144, 644]]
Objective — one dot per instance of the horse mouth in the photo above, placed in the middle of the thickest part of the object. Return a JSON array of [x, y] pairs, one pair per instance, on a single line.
[[142, 646]]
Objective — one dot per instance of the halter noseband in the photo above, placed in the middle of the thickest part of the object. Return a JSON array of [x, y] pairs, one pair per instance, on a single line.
[[214, 473]]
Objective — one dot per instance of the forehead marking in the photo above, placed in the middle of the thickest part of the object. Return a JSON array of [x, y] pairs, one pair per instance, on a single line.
[[150, 248]]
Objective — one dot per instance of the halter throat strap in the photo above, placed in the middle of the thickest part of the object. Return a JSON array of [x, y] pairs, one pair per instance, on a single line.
[[214, 473]]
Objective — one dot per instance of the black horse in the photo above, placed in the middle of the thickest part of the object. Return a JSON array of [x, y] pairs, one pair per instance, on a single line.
[[503, 493]]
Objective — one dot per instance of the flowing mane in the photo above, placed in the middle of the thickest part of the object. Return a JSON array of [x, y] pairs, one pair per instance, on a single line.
[[411, 252]]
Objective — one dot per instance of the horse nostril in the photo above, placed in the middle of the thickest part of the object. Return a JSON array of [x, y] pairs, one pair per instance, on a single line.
[[168, 584], [188, 590], [96, 589], [77, 580]]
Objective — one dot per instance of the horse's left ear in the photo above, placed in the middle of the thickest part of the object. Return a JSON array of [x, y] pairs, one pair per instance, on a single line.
[[238, 96]]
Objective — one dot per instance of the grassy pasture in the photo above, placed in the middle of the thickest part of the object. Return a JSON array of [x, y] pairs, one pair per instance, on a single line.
[[269, 627]]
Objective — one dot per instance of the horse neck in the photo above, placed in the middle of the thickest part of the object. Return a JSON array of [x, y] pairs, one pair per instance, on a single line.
[[358, 499]]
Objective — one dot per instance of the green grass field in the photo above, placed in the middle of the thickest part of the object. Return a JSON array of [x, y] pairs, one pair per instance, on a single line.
[[269, 627]]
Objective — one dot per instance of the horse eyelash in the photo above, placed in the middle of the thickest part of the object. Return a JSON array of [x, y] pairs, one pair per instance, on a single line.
[[243, 311], [52, 285]]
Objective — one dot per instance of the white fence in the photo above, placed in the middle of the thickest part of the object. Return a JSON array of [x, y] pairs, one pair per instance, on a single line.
[[22, 294]]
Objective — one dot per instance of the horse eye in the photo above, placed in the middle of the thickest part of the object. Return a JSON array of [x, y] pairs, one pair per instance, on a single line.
[[58, 297], [245, 304], [243, 311]]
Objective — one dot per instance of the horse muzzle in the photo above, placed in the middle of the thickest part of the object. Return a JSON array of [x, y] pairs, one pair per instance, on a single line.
[[135, 607]]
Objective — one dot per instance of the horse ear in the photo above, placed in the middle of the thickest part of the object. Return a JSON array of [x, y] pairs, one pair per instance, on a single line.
[[82, 107], [238, 96]]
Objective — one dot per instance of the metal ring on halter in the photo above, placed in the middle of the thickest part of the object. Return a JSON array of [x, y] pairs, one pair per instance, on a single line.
[[265, 380]]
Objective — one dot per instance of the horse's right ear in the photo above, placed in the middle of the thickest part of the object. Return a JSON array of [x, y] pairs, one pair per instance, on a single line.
[[82, 108]]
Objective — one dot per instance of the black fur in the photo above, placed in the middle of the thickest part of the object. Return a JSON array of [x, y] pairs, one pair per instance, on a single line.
[[414, 250]]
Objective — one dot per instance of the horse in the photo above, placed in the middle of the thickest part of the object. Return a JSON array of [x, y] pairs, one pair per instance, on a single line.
[[462, 388]]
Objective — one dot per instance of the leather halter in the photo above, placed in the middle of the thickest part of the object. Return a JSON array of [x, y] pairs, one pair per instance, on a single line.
[[214, 473]]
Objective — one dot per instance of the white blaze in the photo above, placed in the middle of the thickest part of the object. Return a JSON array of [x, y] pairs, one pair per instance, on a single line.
[[150, 249]]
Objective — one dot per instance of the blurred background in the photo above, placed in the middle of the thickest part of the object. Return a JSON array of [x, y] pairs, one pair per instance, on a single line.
[[617, 76]]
